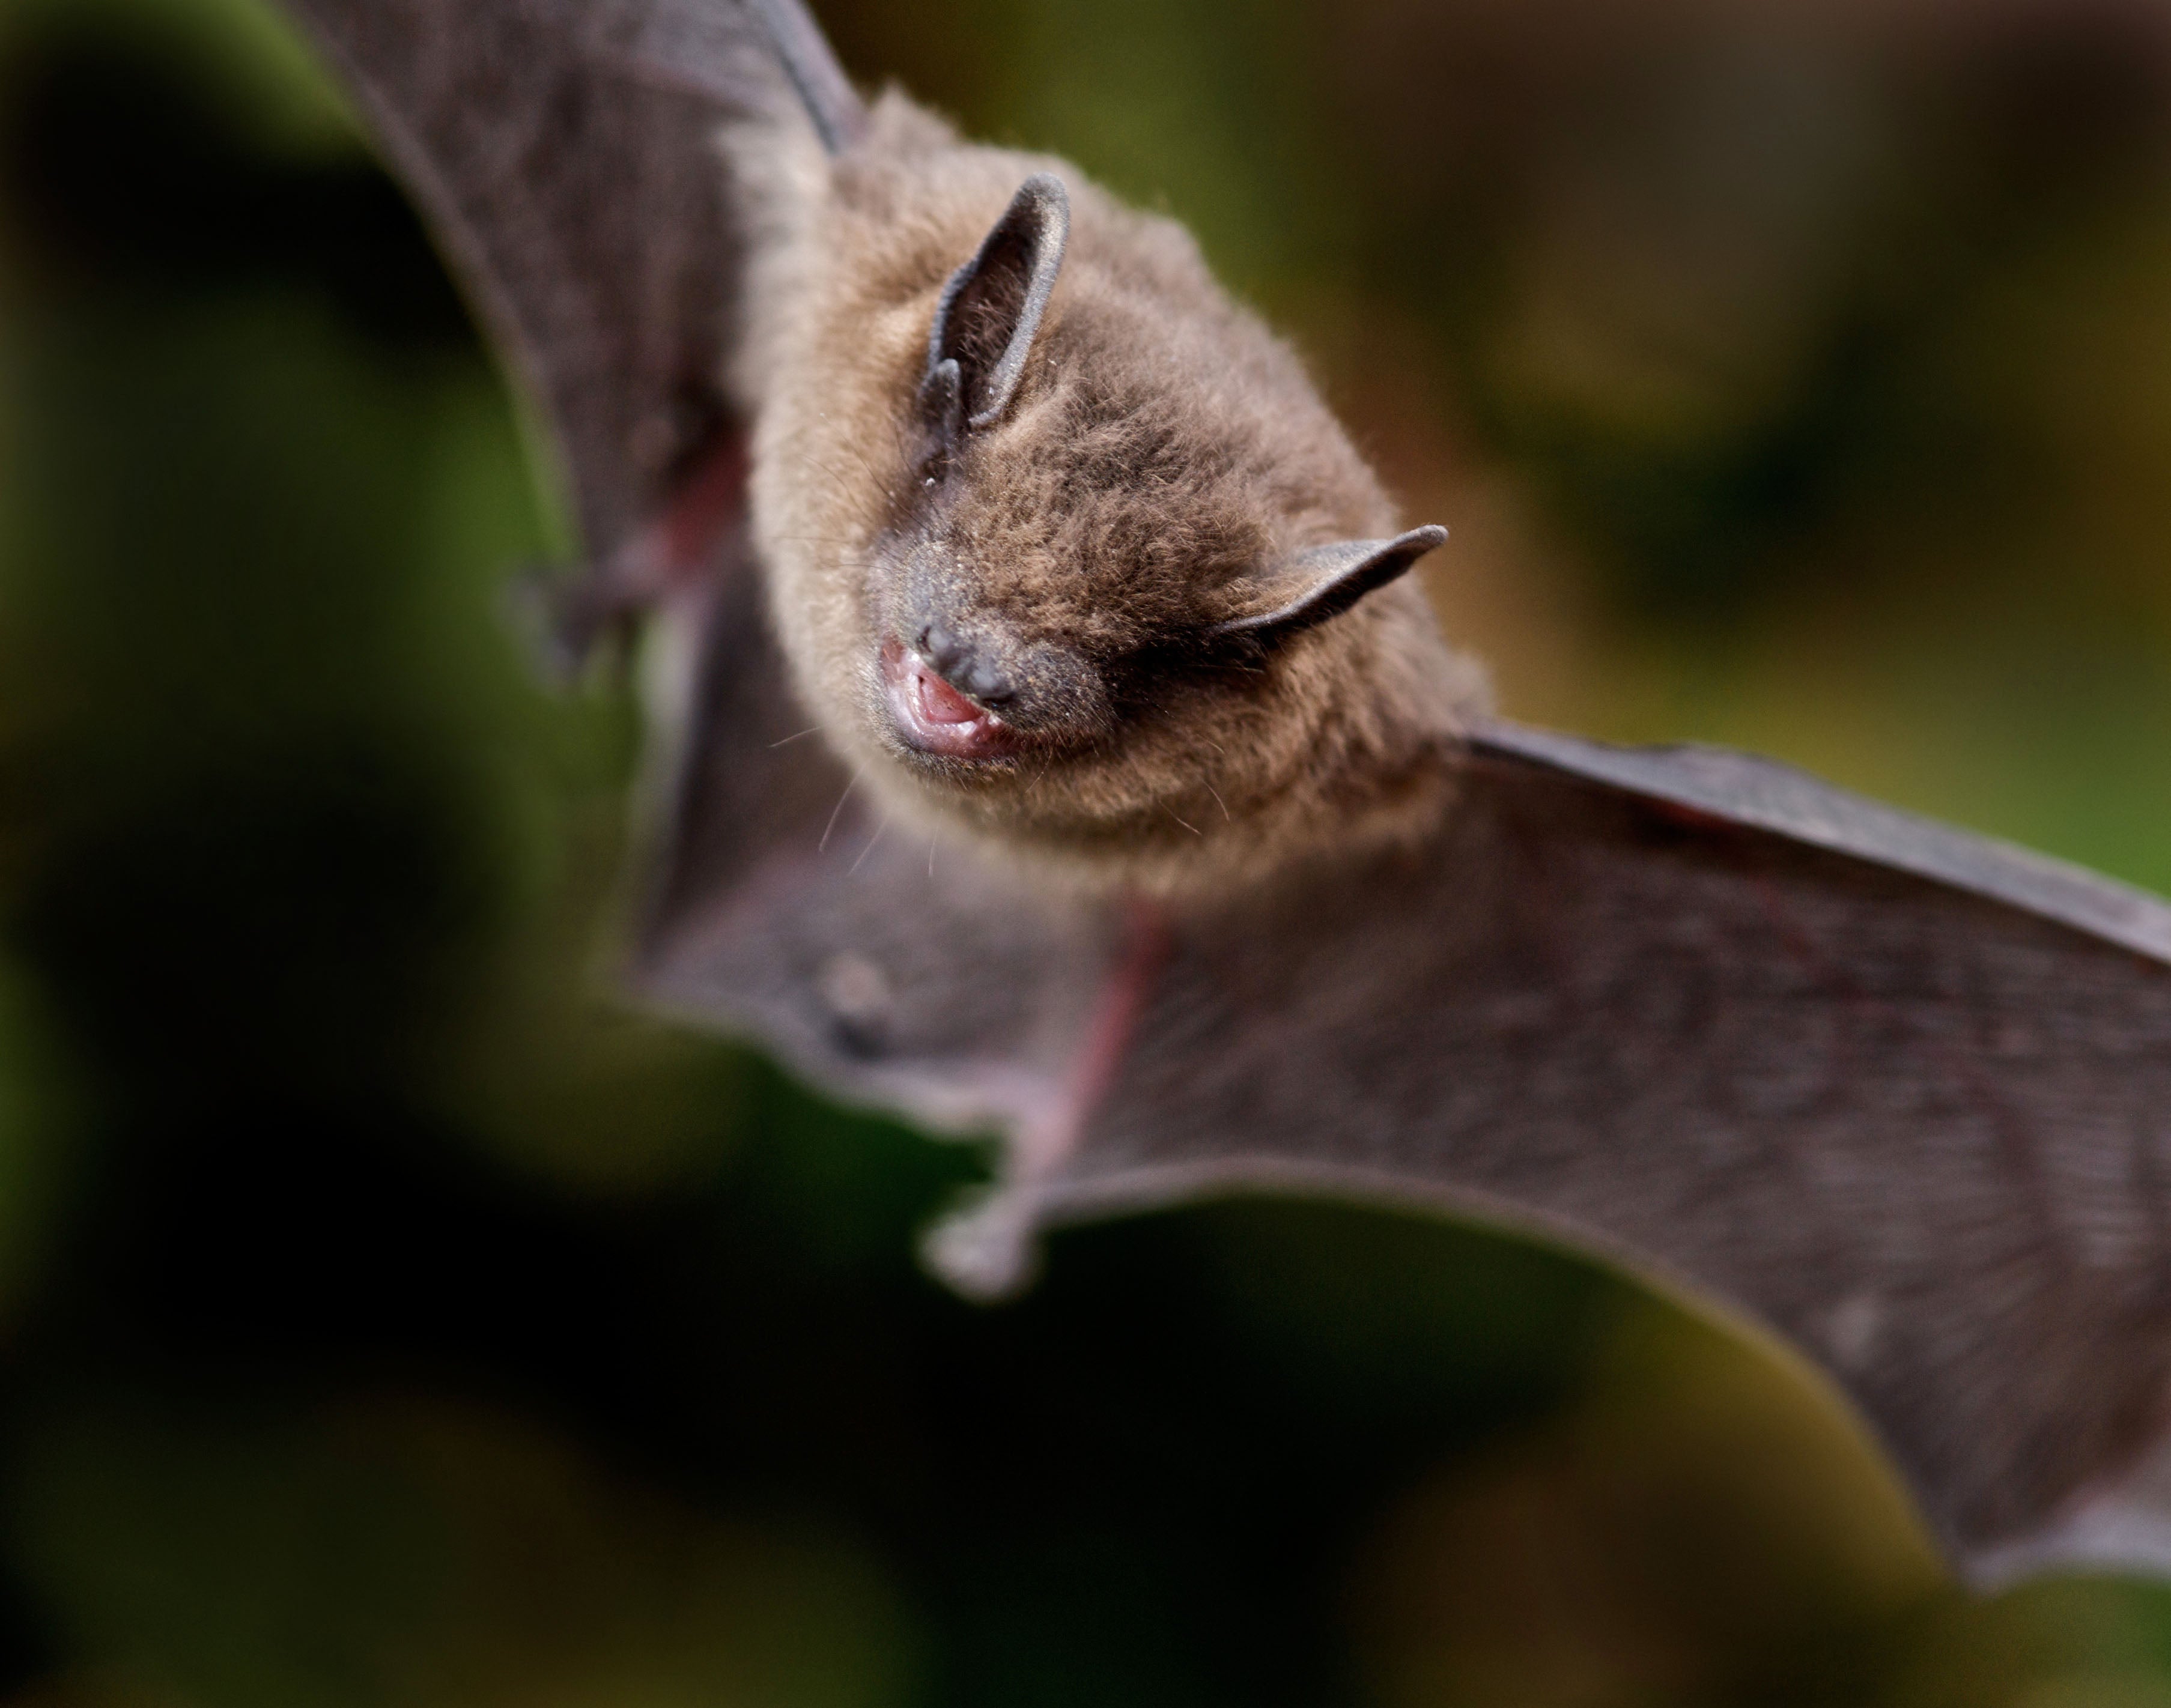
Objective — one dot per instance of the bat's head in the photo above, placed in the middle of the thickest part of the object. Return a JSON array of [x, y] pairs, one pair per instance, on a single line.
[[1095, 571]]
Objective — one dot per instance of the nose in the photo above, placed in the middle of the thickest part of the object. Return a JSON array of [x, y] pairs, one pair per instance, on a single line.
[[966, 667]]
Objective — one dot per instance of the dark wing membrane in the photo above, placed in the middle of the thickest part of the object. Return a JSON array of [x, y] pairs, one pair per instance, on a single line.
[[1743, 789], [1902, 1094], [565, 151], [823, 90]]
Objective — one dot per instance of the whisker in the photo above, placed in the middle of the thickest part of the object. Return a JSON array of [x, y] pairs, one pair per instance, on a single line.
[[870, 847], [873, 473], [930, 859], [816, 462], [836, 480], [831, 827], [1181, 820], [789, 740], [1218, 800], [904, 450]]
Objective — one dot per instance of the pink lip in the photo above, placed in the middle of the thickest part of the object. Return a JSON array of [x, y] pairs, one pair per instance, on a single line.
[[933, 716]]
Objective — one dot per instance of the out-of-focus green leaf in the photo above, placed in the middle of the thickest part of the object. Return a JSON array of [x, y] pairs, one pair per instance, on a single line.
[[403, 1552]]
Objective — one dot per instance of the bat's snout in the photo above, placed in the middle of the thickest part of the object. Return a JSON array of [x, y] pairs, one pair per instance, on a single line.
[[968, 669]]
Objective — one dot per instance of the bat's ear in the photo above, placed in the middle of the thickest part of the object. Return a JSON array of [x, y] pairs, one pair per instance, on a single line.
[[1324, 582], [991, 308]]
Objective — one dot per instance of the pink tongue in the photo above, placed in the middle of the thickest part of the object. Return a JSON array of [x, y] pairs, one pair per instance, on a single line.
[[942, 703]]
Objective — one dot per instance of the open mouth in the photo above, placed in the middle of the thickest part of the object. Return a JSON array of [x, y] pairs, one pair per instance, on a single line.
[[934, 717]]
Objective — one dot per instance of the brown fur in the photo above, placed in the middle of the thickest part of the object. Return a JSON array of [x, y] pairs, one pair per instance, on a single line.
[[1162, 446]]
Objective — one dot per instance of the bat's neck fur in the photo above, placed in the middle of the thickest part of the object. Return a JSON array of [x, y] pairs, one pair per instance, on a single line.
[[1161, 445]]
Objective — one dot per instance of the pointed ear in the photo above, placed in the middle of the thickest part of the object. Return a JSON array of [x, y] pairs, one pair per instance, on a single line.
[[991, 308], [1324, 582]]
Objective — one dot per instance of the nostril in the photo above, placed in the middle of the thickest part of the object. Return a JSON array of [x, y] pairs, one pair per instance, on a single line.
[[970, 667], [942, 649], [987, 685]]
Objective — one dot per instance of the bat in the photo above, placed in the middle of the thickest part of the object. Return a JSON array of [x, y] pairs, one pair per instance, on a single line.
[[979, 544]]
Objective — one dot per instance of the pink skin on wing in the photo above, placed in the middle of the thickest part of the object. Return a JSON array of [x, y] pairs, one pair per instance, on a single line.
[[933, 716]]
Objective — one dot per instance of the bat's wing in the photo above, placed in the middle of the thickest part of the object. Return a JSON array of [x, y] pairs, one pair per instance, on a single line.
[[565, 152], [1902, 1093]]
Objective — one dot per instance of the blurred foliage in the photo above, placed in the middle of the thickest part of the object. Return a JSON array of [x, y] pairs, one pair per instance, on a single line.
[[388, 1319]]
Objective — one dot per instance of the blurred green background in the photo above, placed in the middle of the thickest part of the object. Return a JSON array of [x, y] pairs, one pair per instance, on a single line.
[[387, 1318]]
